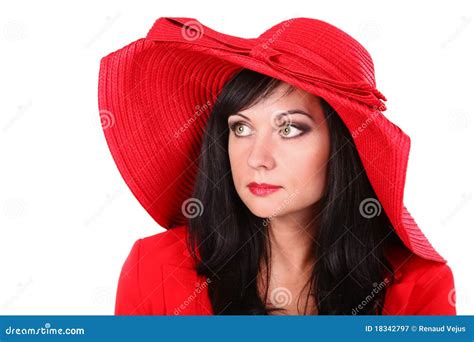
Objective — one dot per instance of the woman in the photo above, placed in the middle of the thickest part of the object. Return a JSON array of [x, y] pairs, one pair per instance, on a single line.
[[290, 206], [314, 226]]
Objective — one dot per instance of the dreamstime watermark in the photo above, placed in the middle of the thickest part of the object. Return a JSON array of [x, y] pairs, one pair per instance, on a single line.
[[280, 297], [103, 295], [466, 197], [14, 208], [192, 208], [377, 288], [14, 31], [452, 297], [277, 33], [366, 123], [107, 119], [199, 288], [110, 198], [199, 110], [370, 30], [370, 207], [465, 22], [286, 202], [280, 118], [192, 30], [458, 119], [21, 110], [46, 330], [455, 296], [21, 288], [108, 23]]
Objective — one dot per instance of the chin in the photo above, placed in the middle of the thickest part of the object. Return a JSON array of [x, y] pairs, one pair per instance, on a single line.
[[262, 207]]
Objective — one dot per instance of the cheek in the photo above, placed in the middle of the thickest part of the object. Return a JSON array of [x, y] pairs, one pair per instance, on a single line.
[[306, 162], [305, 169]]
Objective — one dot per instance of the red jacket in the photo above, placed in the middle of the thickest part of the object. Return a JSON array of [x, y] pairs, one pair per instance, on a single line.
[[157, 278]]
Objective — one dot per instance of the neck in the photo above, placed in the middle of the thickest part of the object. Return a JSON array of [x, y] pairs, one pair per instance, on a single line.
[[291, 238]]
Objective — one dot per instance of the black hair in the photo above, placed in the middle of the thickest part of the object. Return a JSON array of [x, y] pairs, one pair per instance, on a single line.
[[232, 241]]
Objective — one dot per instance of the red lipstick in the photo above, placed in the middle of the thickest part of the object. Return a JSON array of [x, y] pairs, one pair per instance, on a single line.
[[263, 189]]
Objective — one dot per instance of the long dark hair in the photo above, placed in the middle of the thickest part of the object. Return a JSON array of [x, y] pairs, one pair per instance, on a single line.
[[351, 271]]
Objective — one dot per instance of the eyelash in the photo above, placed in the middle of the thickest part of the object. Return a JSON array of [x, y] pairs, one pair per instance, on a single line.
[[303, 128]]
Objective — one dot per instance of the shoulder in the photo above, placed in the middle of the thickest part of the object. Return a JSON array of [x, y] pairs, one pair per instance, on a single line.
[[411, 267], [427, 286], [165, 247], [168, 247], [140, 286]]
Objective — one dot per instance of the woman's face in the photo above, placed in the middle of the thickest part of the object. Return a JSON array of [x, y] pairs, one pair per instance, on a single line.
[[289, 151]]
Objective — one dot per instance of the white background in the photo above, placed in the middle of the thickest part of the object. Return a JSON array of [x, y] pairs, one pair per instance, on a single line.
[[68, 220]]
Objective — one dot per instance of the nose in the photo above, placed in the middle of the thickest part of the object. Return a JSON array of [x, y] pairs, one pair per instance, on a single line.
[[261, 154]]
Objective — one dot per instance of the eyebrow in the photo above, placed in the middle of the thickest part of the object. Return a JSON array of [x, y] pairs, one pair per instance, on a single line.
[[288, 112]]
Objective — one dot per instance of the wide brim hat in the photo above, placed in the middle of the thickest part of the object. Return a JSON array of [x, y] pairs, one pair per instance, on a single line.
[[156, 94]]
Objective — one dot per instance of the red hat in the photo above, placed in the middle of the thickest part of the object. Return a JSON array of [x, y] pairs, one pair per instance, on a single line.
[[156, 94]]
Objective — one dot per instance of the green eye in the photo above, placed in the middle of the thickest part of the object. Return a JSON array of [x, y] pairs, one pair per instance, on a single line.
[[239, 129], [287, 131]]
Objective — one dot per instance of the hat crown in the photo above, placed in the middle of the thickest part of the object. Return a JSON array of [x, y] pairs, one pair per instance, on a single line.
[[307, 53], [322, 41]]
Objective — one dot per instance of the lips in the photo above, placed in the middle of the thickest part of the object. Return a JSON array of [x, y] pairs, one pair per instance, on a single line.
[[263, 189]]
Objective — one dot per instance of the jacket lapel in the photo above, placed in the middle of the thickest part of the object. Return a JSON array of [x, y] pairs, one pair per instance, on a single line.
[[185, 293], [399, 292], [397, 298]]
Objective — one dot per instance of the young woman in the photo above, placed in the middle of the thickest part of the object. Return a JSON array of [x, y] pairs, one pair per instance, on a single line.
[[282, 193]]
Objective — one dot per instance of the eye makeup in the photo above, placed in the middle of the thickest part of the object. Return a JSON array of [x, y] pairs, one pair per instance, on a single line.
[[301, 127]]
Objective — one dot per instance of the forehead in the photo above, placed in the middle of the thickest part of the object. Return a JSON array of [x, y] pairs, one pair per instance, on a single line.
[[285, 97]]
